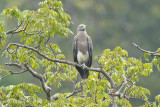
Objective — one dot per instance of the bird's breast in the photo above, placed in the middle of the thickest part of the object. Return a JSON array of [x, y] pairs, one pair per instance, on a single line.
[[82, 58], [82, 46]]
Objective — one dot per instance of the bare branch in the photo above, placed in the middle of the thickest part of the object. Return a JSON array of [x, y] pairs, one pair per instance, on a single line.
[[12, 31], [17, 72], [145, 51], [11, 73], [21, 66], [55, 97]]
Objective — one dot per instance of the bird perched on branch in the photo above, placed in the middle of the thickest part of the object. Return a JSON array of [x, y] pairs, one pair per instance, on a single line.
[[82, 50]]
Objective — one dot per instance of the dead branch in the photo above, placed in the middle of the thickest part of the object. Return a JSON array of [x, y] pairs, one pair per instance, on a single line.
[[145, 51]]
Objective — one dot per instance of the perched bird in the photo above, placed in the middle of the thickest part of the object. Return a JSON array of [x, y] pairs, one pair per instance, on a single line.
[[82, 50]]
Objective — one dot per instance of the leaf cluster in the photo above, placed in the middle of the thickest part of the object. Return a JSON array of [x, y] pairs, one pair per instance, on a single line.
[[37, 30]]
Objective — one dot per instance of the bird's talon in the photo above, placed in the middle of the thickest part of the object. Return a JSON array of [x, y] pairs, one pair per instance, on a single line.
[[83, 66]]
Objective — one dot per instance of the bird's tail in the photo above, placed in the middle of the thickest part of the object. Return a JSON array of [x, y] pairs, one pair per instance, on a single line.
[[83, 72]]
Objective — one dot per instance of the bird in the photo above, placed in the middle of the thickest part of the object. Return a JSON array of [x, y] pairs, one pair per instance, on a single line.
[[82, 50]]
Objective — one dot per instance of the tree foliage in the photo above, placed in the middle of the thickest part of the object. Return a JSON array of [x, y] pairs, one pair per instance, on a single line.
[[113, 83]]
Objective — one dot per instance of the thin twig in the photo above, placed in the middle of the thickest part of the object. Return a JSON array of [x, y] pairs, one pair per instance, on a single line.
[[36, 32], [11, 73], [74, 92], [11, 31], [47, 40], [141, 99]]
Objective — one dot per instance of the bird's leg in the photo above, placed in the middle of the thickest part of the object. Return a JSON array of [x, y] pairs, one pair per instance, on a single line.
[[83, 66]]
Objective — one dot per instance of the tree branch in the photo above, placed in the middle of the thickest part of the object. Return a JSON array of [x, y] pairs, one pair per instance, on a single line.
[[56, 96], [11, 73], [141, 99], [106, 74], [132, 83], [36, 32], [123, 85], [21, 66], [74, 92], [12, 31], [113, 101], [35, 74], [46, 88], [123, 94], [145, 51], [47, 40]]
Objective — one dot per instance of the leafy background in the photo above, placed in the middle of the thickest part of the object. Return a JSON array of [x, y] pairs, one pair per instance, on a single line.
[[110, 23]]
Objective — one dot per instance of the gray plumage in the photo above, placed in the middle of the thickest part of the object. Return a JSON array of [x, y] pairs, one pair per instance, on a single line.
[[82, 50]]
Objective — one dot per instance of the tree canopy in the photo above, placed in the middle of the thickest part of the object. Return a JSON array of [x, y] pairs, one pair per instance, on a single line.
[[113, 82]]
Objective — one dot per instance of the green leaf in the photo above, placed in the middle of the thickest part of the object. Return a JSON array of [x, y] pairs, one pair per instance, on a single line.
[[146, 57]]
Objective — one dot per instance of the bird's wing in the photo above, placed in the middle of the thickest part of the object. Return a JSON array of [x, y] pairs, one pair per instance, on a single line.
[[90, 48], [74, 46]]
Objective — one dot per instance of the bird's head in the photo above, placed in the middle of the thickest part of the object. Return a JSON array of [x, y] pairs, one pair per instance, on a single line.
[[81, 27]]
